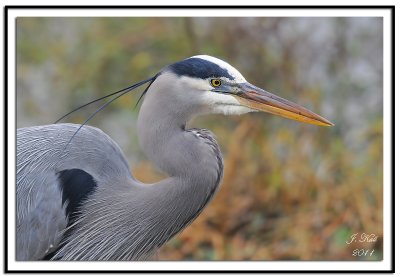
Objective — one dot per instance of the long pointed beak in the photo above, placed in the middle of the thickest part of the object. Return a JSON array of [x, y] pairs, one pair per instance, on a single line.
[[261, 100]]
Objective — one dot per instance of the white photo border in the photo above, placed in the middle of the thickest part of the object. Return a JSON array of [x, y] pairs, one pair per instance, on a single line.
[[386, 265]]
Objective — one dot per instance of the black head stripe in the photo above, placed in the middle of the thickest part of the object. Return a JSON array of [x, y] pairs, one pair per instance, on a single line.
[[199, 68]]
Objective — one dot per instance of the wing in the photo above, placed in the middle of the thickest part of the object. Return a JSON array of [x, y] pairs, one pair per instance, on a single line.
[[53, 177], [40, 228]]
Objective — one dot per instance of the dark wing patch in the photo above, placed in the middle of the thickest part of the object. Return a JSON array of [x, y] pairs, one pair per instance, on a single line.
[[76, 186], [199, 68]]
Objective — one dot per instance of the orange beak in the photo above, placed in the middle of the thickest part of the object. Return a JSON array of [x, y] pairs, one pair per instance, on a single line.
[[261, 100]]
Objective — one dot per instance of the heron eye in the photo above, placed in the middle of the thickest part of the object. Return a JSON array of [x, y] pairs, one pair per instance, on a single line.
[[215, 82]]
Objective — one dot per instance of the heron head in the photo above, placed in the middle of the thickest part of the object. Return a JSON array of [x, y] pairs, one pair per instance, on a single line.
[[220, 88]]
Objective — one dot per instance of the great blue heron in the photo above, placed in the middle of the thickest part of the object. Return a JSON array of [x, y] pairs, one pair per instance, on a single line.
[[77, 199]]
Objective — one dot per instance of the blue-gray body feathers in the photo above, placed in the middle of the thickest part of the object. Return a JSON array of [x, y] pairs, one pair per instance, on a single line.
[[121, 219], [118, 218], [41, 156]]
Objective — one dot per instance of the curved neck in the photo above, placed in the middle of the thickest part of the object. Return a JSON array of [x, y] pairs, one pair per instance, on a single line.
[[191, 158]]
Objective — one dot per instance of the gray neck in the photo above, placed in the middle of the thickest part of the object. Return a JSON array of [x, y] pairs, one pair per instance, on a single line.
[[180, 153], [191, 158]]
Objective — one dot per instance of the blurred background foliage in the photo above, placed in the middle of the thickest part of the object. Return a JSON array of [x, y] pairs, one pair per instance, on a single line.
[[290, 191]]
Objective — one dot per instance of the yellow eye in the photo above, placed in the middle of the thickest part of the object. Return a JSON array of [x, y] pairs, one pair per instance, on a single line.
[[215, 82]]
